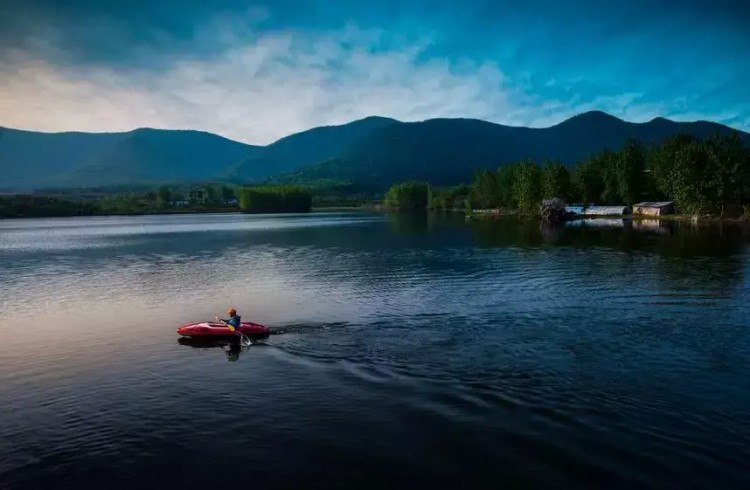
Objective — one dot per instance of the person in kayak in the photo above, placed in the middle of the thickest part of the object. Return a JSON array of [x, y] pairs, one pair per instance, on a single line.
[[234, 319]]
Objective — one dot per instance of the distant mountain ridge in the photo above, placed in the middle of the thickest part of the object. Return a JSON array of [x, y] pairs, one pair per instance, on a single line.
[[448, 151], [30, 160], [305, 148], [151, 155], [376, 151]]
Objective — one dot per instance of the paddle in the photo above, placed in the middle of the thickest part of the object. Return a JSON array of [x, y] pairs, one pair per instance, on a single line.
[[244, 339]]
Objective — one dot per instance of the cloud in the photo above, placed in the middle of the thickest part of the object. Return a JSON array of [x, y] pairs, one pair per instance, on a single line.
[[257, 90], [257, 85]]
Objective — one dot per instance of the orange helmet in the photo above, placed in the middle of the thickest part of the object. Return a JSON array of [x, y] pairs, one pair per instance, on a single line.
[[231, 312]]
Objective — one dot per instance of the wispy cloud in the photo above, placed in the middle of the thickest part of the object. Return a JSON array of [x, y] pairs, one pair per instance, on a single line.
[[258, 85], [258, 89]]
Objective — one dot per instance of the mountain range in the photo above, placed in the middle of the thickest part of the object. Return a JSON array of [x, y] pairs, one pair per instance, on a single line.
[[374, 152]]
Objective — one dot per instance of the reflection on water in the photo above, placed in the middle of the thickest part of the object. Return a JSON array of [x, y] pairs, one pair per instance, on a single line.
[[416, 349], [231, 348], [654, 225], [598, 223]]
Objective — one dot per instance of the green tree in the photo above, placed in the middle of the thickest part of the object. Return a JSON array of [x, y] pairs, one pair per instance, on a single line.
[[588, 182], [275, 199], [556, 181], [486, 193], [164, 196], [605, 163], [528, 188], [408, 195], [227, 193], [729, 168], [210, 193], [661, 163], [507, 175], [630, 166], [693, 191]]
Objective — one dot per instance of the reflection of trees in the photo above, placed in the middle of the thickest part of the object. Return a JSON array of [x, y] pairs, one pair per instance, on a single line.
[[713, 240], [671, 239], [414, 223], [506, 232], [411, 223], [706, 257], [380, 251]]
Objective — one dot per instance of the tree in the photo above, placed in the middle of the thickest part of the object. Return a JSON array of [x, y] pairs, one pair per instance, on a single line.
[[449, 198], [729, 168], [408, 195], [661, 161], [227, 193], [528, 188], [165, 196], [486, 192], [556, 181], [588, 181], [210, 193], [507, 176], [630, 166], [693, 191], [275, 199], [606, 165]]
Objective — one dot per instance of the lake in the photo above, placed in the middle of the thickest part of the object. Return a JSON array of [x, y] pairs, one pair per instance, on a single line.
[[408, 351]]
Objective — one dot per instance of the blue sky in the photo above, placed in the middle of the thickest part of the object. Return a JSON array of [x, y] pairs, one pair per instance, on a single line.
[[256, 71]]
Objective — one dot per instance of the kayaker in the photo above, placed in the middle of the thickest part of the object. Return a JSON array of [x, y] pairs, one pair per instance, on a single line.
[[234, 319]]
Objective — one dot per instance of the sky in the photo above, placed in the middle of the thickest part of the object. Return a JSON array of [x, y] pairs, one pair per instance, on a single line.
[[255, 71]]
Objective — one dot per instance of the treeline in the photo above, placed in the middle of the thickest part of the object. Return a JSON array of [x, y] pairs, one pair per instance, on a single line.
[[450, 198], [420, 195], [86, 202], [29, 206], [408, 196], [275, 199], [701, 176], [168, 199], [340, 193]]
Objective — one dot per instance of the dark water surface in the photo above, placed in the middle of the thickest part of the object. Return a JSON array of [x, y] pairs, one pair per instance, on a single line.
[[416, 351]]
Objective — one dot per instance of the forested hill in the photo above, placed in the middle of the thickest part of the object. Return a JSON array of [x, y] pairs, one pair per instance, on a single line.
[[448, 151], [374, 152], [301, 149], [31, 159]]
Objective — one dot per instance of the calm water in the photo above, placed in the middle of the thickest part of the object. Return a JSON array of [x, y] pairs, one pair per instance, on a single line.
[[411, 351]]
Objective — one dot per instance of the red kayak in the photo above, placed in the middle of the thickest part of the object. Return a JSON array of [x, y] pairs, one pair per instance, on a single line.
[[217, 330]]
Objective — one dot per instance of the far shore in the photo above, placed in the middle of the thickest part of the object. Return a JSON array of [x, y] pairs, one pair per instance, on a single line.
[[322, 209]]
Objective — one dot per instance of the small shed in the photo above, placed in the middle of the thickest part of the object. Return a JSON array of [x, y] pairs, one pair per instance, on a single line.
[[654, 208], [606, 211]]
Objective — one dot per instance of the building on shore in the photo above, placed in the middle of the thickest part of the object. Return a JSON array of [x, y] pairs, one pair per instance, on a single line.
[[654, 208], [606, 211]]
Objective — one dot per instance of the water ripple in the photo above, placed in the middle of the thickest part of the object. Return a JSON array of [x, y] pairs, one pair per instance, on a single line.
[[596, 360]]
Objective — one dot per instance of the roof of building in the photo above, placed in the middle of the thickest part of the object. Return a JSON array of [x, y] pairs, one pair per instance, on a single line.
[[604, 210], [660, 204]]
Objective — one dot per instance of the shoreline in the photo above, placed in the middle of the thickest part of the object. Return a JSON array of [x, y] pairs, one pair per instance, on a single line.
[[683, 218], [191, 211], [104, 215]]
